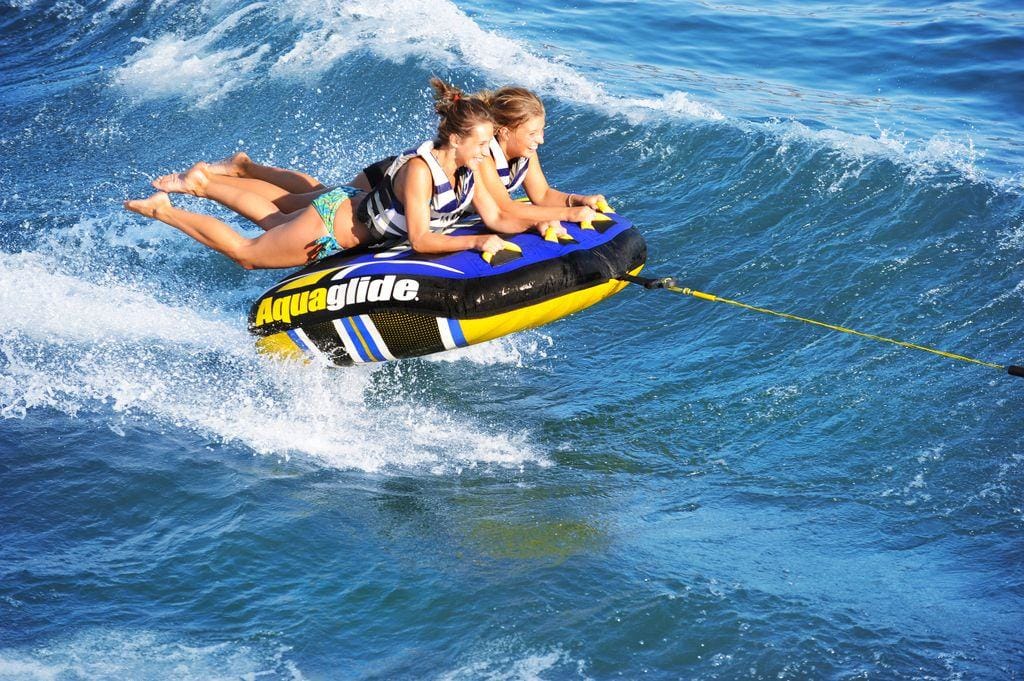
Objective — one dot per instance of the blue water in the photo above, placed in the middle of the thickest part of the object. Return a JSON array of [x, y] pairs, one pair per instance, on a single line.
[[658, 487]]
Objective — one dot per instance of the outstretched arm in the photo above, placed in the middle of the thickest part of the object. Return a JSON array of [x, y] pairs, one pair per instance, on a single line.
[[414, 187], [496, 217], [512, 212], [543, 194]]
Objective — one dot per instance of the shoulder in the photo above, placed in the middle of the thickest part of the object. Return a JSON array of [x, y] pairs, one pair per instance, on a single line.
[[533, 164], [416, 172], [486, 168]]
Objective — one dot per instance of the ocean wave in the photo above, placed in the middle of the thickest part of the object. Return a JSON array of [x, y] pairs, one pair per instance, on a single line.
[[172, 66], [107, 347], [436, 32], [311, 37], [924, 157], [504, 659]]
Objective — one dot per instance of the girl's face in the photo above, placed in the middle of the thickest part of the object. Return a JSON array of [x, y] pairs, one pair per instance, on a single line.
[[524, 139], [472, 148]]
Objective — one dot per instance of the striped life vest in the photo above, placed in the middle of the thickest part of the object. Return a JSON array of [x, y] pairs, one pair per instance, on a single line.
[[383, 213], [511, 174]]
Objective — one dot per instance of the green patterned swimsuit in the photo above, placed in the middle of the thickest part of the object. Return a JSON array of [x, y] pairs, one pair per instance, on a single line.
[[327, 205]]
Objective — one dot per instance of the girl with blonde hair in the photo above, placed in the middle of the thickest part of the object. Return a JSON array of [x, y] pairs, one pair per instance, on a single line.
[[519, 119]]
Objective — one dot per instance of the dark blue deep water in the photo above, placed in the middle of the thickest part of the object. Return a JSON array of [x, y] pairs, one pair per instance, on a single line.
[[658, 487]]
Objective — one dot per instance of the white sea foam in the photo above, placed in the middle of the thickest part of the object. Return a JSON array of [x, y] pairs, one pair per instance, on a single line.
[[112, 654], [172, 66], [1012, 238], [671, 103], [42, 304], [512, 350], [500, 661], [925, 157], [112, 348], [440, 34], [436, 32]]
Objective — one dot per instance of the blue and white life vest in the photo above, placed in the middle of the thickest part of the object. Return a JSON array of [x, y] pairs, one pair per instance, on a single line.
[[511, 174], [383, 213]]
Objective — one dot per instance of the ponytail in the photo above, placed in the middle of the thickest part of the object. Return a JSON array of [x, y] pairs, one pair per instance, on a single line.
[[459, 112]]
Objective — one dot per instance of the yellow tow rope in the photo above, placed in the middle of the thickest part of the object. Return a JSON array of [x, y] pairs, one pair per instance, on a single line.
[[669, 284]]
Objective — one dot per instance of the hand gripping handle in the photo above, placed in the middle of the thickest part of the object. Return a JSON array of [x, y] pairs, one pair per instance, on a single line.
[[603, 207], [551, 234]]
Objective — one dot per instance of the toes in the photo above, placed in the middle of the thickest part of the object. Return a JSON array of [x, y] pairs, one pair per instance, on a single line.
[[135, 206], [167, 183], [150, 206]]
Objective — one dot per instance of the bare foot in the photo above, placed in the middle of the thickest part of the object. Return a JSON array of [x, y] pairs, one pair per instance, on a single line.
[[193, 181], [233, 166], [149, 207]]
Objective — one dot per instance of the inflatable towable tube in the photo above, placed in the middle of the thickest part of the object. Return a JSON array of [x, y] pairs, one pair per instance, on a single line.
[[390, 302]]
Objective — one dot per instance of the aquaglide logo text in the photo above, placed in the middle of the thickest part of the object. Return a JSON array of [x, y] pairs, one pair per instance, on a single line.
[[335, 297]]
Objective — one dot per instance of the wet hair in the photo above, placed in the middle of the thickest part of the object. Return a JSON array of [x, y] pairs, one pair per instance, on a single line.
[[459, 112], [511, 106]]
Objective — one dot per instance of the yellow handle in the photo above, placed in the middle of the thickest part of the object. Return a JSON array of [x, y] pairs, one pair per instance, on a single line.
[[509, 246], [551, 233], [586, 224], [603, 206]]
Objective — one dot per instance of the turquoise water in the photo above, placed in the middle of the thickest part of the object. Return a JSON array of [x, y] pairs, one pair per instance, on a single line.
[[656, 487]]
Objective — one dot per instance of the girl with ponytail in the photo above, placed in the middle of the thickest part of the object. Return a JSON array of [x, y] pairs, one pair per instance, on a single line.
[[422, 191], [427, 189]]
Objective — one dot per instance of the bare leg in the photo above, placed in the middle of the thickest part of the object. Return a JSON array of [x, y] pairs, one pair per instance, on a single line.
[[207, 230], [288, 245], [250, 205], [285, 201], [240, 165], [277, 182], [270, 192]]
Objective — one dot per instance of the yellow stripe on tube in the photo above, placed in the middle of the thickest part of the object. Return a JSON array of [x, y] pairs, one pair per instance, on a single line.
[[362, 341], [531, 316], [307, 280], [280, 345]]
